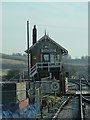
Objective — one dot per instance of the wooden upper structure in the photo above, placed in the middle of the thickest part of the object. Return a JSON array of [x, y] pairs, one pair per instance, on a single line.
[[45, 56]]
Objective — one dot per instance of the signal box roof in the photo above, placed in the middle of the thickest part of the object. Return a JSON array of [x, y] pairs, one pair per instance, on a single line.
[[46, 37]]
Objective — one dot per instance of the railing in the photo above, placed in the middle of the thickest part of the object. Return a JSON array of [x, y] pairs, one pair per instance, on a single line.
[[45, 65], [42, 65], [33, 70]]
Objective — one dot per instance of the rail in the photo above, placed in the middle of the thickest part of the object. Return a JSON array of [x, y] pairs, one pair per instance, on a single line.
[[58, 111], [81, 108], [81, 103], [86, 99]]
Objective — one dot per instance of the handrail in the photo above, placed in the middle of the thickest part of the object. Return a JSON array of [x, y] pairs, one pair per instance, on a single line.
[[44, 65], [33, 69], [48, 62]]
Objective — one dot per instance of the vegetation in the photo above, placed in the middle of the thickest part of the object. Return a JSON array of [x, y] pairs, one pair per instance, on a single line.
[[14, 61], [75, 67], [14, 56], [15, 74], [12, 74]]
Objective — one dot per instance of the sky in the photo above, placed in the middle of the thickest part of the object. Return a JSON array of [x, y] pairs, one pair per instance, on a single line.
[[65, 22]]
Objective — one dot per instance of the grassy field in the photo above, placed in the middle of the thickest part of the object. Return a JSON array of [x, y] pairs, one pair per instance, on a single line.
[[13, 62], [8, 62]]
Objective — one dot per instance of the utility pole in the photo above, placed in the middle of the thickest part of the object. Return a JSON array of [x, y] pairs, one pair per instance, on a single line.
[[28, 84], [28, 48]]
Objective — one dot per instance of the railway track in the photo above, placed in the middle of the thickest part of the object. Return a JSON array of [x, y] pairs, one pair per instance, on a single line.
[[77, 108], [86, 101], [87, 111], [61, 107], [70, 110]]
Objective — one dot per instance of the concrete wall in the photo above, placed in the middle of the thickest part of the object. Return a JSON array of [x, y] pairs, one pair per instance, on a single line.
[[21, 91]]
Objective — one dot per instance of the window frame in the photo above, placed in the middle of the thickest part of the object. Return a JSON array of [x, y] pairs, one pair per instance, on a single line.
[[44, 59]]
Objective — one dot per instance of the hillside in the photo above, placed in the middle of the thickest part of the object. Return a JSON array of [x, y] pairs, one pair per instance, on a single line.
[[8, 62], [14, 56]]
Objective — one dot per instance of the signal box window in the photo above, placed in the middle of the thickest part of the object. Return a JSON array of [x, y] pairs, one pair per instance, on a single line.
[[46, 57]]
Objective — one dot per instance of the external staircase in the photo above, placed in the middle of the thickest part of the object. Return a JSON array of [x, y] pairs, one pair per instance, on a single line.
[[40, 65]]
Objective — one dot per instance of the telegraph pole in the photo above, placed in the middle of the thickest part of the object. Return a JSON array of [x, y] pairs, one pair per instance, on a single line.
[[28, 84], [28, 48]]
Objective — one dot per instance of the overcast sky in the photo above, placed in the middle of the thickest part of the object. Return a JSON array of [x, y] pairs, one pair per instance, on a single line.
[[66, 23]]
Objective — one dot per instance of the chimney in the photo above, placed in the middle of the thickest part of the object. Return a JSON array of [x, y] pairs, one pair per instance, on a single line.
[[34, 35]]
